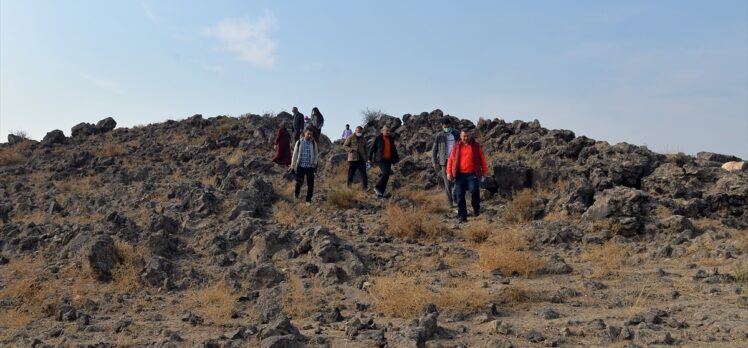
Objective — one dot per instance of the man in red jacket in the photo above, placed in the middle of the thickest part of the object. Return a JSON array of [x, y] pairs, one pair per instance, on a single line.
[[466, 166]]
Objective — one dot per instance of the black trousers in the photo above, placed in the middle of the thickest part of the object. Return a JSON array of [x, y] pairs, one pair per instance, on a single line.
[[386, 167], [296, 135], [307, 173], [359, 166]]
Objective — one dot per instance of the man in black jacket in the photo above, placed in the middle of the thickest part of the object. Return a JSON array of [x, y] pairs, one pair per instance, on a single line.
[[298, 124], [443, 142], [383, 152]]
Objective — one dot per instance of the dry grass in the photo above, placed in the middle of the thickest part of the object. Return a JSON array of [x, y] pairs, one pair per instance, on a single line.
[[740, 271], [508, 261], [520, 208], [608, 258], [405, 296], [79, 185], [125, 276], [344, 197], [478, 231], [507, 251], [519, 293], [432, 201], [215, 302], [26, 287], [739, 237], [10, 156], [301, 301], [413, 222], [234, 157], [291, 213], [111, 150]]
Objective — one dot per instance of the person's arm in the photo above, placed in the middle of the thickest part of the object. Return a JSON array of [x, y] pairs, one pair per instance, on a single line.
[[450, 160], [483, 161], [294, 156], [434, 152], [373, 148]]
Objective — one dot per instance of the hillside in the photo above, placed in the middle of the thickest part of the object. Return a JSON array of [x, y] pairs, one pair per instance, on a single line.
[[184, 233]]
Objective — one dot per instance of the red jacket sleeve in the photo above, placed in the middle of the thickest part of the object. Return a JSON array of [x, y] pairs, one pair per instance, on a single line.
[[483, 161], [450, 161]]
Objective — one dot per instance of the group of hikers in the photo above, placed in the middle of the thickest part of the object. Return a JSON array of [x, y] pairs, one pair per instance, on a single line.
[[456, 156]]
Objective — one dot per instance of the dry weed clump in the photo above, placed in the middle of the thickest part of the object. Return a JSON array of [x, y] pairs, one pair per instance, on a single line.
[[111, 150], [478, 231], [405, 296], [27, 289], [344, 197], [300, 300], [608, 258], [508, 261], [740, 271], [10, 156], [507, 251], [431, 201], [288, 213], [521, 207], [413, 222], [215, 302], [523, 294]]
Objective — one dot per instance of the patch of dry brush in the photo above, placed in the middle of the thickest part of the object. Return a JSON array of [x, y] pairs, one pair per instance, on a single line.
[[412, 222]]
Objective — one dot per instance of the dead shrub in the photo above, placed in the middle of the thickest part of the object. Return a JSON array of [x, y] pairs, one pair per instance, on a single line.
[[405, 296], [290, 213], [508, 261], [215, 302], [234, 158], [523, 294], [10, 156], [431, 201], [301, 300], [112, 150], [344, 197], [608, 258], [521, 208], [412, 222], [478, 231]]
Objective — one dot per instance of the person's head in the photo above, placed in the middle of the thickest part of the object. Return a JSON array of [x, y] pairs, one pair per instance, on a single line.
[[447, 125], [359, 131], [385, 130], [315, 111], [295, 110], [347, 126], [466, 136], [308, 134]]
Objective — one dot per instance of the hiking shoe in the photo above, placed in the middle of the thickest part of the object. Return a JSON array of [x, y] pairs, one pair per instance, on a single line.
[[380, 194], [462, 220], [308, 203]]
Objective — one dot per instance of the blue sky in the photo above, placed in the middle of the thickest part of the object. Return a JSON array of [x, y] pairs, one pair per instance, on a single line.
[[672, 75]]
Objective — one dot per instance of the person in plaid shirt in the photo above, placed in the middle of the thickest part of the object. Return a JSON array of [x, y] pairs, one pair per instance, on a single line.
[[304, 163]]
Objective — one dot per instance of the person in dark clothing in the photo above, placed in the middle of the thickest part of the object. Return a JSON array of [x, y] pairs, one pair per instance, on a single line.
[[298, 123], [317, 120], [383, 152], [304, 163], [355, 145], [444, 140], [467, 166], [282, 147]]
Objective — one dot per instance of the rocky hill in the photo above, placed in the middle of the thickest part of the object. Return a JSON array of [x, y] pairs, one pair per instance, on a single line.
[[184, 233]]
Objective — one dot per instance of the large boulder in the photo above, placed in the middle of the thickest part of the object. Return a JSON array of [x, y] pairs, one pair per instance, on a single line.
[[82, 129], [624, 206], [54, 137], [511, 177], [716, 157], [106, 125], [103, 257]]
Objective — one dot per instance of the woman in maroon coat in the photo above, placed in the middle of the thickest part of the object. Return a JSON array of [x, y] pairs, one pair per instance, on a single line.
[[282, 147]]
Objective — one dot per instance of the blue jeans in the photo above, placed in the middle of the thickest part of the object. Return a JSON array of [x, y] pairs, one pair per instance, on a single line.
[[465, 182]]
